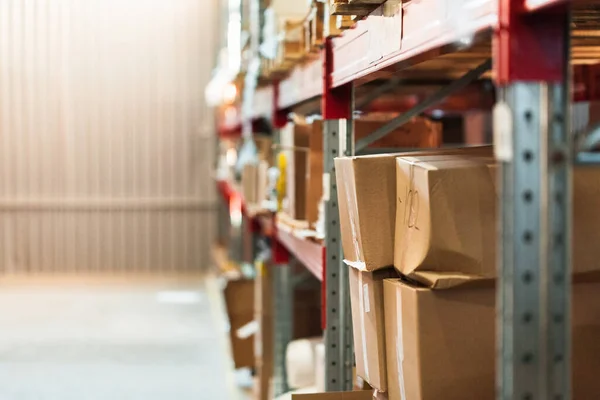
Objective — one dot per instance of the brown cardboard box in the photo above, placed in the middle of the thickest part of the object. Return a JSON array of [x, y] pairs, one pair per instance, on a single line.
[[366, 300], [417, 133], [446, 215], [238, 296], [263, 338], [314, 173], [445, 341], [586, 219], [249, 182], [307, 312], [367, 202], [295, 142], [420, 132], [358, 395], [254, 182], [440, 343], [585, 344]]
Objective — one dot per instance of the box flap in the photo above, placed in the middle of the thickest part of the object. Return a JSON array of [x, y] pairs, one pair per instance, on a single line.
[[357, 395], [446, 215], [441, 280]]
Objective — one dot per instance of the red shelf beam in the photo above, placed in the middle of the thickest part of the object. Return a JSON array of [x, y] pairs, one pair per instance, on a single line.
[[304, 83], [262, 106], [535, 5], [310, 254]]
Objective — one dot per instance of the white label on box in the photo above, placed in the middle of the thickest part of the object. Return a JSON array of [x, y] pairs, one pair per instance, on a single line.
[[503, 132], [366, 297], [326, 186], [247, 330]]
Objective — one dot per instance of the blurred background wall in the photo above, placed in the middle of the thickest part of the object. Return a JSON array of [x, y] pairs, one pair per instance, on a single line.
[[106, 144]]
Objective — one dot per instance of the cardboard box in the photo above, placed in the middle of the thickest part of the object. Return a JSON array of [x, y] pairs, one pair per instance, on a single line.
[[314, 173], [585, 345], [367, 203], [586, 220], [263, 338], [446, 216], [440, 343], [366, 300], [238, 296], [307, 312], [295, 142], [357, 395], [254, 182], [249, 182], [444, 341], [417, 133]]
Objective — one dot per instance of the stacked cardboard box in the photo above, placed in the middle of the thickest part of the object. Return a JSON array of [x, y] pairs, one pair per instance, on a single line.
[[357, 395], [238, 295], [254, 183], [263, 338], [303, 145], [433, 217]]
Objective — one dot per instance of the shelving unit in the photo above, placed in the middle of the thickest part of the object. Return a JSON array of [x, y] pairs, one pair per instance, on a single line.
[[418, 42]]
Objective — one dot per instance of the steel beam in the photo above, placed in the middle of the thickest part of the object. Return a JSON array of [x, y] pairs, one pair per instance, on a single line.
[[533, 144], [429, 102], [283, 291], [338, 330]]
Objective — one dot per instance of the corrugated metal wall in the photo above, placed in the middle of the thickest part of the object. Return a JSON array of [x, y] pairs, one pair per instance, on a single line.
[[105, 141]]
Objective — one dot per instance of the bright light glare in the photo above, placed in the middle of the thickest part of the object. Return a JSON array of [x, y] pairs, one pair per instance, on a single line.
[[231, 157], [229, 93]]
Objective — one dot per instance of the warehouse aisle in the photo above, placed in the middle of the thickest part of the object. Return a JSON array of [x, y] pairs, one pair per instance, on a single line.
[[108, 339]]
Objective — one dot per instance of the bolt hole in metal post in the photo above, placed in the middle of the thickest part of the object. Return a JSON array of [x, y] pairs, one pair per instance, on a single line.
[[527, 358]]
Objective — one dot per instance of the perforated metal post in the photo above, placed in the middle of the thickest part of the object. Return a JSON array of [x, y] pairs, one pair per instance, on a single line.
[[337, 107], [283, 324], [533, 144], [338, 332]]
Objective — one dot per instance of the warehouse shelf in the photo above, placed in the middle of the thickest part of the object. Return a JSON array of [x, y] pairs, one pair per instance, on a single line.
[[229, 190], [536, 5], [444, 55], [421, 31], [310, 253], [262, 104], [304, 82]]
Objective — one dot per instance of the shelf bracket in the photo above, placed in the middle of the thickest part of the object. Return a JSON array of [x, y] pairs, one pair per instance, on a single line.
[[429, 102]]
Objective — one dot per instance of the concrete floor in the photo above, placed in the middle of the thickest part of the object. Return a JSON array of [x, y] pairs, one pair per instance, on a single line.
[[112, 339]]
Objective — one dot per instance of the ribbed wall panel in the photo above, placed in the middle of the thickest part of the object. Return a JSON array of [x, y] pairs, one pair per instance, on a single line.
[[105, 140]]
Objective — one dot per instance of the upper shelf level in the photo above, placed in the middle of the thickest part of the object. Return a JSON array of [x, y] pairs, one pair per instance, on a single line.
[[416, 39], [303, 83], [410, 34]]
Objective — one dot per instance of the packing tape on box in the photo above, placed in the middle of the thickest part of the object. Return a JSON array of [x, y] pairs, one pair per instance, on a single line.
[[352, 202], [361, 301], [400, 347], [359, 265]]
